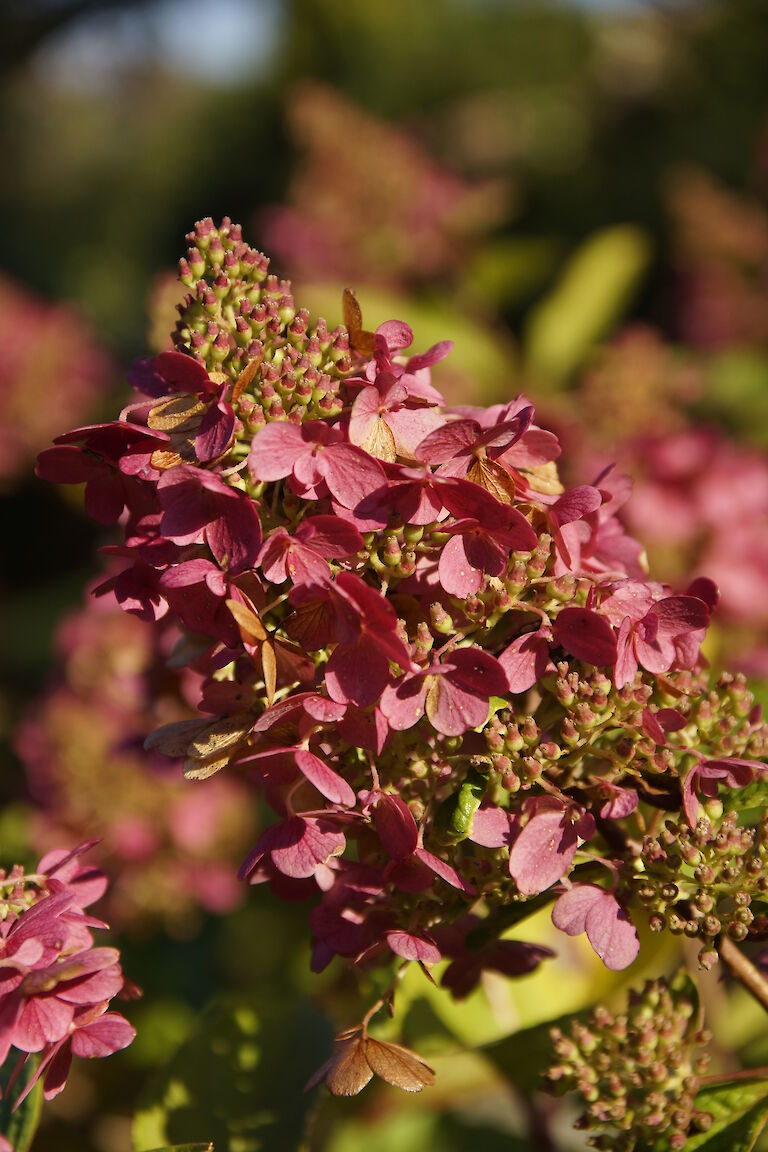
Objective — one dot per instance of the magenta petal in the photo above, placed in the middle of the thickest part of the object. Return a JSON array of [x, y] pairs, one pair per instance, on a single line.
[[57, 1071], [586, 635], [357, 673], [569, 912], [678, 614], [109, 1033], [443, 870], [395, 827], [105, 497], [413, 947], [611, 933], [622, 802], [543, 852], [185, 373], [215, 433], [327, 782], [301, 845]]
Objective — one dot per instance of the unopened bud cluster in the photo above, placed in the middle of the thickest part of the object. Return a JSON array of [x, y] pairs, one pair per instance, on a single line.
[[238, 316], [702, 881], [637, 1072]]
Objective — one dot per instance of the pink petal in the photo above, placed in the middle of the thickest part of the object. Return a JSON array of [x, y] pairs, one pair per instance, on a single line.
[[43, 1020], [575, 504], [327, 782], [357, 673], [622, 802], [452, 709], [403, 702], [525, 661], [569, 912], [413, 947], [678, 614], [490, 827], [543, 852], [586, 635], [275, 450], [301, 845], [395, 827], [611, 933], [443, 870], [457, 576], [184, 372], [109, 1034], [215, 433], [350, 473], [396, 334], [448, 441]]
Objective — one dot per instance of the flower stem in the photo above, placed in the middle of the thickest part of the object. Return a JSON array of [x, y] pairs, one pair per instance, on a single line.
[[744, 970]]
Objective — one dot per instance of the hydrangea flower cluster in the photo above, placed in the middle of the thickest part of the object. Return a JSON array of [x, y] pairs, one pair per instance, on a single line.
[[637, 1072], [55, 986], [42, 342], [450, 678], [172, 850]]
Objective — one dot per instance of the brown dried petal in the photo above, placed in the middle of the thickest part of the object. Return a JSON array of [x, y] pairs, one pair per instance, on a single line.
[[360, 340], [494, 478], [398, 1066], [245, 378], [269, 667], [222, 734], [248, 620], [380, 441], [544, 478], [174, 739], [349, 1072], [179, 411]]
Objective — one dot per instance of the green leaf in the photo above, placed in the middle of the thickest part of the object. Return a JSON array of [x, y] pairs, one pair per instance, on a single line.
[[740, 1111], [593, 291], [19, 1127], [237, 1080]]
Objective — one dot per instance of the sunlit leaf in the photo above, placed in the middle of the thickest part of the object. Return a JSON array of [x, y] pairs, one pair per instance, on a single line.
[[740, 1111], [19, 1127]]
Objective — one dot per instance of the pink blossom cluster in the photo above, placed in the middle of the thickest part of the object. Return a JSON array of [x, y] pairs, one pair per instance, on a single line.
[[354, 168], [47, 352], [171, 849], [55, 986], [700, 499], [449, 677]]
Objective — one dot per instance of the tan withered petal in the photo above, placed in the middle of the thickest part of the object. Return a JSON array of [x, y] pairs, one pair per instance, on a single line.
[[220, 735], [162, 460], [398, 1066], [183, 410], [174, 739], [380, 441], [349, 1071], [494, 478], [360, 340], [195, 769], [248, 620], [544, 478], [269, 668], [245, 378]]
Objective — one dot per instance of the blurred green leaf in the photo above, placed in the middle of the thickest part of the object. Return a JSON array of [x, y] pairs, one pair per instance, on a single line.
[[594, 289], [238, 1080], [736, 392], [740, 1111], [512, 268], [19, 1127]]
